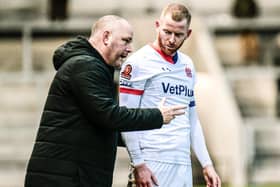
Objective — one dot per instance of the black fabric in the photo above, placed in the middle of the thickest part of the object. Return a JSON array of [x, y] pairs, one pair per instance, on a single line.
[[77, 138]]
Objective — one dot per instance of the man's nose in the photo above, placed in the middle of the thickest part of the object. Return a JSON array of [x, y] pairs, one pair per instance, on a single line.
[[129, 48], [172, 38]]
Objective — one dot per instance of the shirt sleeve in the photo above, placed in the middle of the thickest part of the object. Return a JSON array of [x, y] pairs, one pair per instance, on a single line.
[[131, 91], [197, 139]]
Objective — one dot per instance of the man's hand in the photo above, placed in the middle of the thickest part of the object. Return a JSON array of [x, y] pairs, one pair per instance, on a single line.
[[144, 176], [211, 177], [170, 112]]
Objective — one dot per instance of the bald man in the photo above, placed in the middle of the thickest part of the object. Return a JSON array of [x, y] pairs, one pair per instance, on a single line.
[[77, 138]]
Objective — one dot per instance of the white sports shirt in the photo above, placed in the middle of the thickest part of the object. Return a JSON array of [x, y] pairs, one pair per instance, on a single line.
[[146, 77]]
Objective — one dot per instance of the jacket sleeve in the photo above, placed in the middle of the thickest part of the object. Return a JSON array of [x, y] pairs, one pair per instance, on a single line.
[[91, 84]]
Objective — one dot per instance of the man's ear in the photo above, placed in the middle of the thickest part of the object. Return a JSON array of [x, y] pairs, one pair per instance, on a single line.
[[189, 32], [106, 37], [157, 23]]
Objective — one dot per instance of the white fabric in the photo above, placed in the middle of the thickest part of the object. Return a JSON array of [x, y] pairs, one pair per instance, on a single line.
[[197, 140], [145, 79], [171, 174]]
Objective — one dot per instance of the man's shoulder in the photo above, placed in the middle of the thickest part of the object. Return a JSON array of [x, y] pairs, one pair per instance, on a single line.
[[184, 56], [142, 55], [142, 52], [84, 63], [185, 59]]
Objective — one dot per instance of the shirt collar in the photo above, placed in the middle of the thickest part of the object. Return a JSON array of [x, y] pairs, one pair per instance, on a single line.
[[168, 58]]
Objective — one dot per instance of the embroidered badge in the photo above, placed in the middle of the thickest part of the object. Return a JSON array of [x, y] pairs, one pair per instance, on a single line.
[[188, 72], [126, 73]]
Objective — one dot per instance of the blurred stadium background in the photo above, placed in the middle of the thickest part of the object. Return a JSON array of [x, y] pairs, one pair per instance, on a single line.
[[235, 47]]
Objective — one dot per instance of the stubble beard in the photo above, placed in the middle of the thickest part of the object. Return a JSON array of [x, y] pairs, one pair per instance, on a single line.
[[166, 50]]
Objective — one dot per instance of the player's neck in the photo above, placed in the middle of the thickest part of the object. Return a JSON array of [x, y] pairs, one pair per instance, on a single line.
[[168, 58]]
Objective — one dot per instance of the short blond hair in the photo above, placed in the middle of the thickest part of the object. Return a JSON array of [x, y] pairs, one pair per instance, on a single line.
[[178, 12]]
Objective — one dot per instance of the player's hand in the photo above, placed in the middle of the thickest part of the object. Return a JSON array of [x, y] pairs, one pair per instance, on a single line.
[[144, 176], [170, 112], [211, 177]]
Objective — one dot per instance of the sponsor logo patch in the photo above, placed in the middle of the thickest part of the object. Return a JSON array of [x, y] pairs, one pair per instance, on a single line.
[[177, 89]]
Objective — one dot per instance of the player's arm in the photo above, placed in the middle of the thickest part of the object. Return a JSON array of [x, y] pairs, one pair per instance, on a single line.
[[197, 139], [199, 146], [142, 174], [130, 96]]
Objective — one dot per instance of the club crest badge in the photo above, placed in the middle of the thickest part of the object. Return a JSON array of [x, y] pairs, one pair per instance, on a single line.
[[188, 72], [126, 73]]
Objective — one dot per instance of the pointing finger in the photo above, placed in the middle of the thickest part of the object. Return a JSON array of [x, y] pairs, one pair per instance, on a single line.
[[178, 112], [162, 101], [179, 107]]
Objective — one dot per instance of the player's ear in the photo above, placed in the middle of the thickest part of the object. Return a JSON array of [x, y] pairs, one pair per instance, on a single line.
[[189, 32], [106, 37], [157, 23]]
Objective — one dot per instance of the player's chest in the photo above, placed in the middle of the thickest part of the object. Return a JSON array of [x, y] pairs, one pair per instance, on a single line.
[[170, 81]]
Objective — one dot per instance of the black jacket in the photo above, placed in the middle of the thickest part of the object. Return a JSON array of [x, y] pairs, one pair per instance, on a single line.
[[77, 137]]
